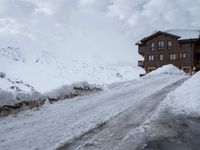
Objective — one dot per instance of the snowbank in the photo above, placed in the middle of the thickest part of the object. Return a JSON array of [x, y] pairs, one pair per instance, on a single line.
[[12, 102], [14, 91], [10, 99], [70, 91], [166, 70], [6, 98], [186, 98]]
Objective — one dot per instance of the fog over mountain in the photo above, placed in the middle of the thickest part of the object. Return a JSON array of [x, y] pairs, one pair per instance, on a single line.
[[97, 30]]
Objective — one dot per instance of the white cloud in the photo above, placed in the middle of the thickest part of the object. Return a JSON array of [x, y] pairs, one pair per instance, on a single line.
[[105, 29]]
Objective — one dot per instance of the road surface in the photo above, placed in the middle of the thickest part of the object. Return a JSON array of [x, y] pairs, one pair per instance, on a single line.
[[99, 121]]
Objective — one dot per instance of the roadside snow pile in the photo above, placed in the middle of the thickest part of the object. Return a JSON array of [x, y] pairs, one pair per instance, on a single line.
[[186, 98], [12, 102], [73, 90], [166, 70], [13, 91], [11, 99], [6, 98]]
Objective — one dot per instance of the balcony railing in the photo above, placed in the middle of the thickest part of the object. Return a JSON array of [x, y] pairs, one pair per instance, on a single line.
[[141, 63], [141, 75], [141, 50]]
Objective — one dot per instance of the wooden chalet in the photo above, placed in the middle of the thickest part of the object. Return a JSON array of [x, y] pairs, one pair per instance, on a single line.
[[178, 47]]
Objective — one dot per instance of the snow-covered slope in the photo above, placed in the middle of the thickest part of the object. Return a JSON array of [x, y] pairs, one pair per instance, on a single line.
[[15, 85], [13, 90], [58, 124], [44, 71]]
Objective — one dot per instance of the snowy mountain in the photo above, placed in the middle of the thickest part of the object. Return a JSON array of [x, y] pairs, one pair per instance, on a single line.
[[15, 90], [12, 53], [16, 85], [43, 71]]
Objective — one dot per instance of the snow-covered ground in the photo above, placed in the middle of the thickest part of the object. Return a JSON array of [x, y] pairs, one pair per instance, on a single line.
[[186, 98], [14, 90], [17, 96], [174, 125], [25, 77], [62, 124], [45, 72]]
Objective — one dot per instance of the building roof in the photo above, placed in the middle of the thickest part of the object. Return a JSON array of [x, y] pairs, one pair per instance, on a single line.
[[176, 33], [155, 34], [185, 34]]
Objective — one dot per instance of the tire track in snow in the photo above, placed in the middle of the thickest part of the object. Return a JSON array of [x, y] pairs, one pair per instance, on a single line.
[[108, 135]]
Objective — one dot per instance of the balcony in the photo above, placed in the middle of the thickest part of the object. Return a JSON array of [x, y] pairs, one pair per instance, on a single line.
[[141, 63], [142, 75], [141, 50]]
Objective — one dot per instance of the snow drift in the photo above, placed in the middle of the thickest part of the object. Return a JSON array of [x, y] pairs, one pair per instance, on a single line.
[[14, 91], [12, 102], [73, 90], [186, 98], [166, 70]]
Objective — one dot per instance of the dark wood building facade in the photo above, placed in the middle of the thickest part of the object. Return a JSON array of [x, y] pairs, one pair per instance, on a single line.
[[162, 48]]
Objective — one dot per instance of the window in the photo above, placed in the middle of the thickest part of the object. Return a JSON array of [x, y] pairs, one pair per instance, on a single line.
[[169, 44], [161, 45], [184, 55], [161, 57], [172, 57], [152, 46], [180, 56], [151, 57]]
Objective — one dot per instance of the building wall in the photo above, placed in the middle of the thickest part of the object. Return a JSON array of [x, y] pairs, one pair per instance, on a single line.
[[177, 49], [197, 55]]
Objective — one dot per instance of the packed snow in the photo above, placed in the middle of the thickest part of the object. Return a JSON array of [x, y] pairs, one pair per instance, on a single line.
[[13, 91], [174, 124], [54, 125], [77, 89], [167, 69], [13, 96], [186, 98]]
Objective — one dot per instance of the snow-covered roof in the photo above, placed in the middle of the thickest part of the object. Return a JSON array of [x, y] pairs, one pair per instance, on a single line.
[[185, 34], [154, 35], [180, 34]]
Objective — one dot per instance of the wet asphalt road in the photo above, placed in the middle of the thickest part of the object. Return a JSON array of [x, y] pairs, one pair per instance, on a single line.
[[188, 137]]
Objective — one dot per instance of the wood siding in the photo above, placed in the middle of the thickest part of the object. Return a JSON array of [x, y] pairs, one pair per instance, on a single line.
[[190, 49]]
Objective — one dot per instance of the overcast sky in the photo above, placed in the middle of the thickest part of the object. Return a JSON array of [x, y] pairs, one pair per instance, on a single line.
[[85, 29]]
